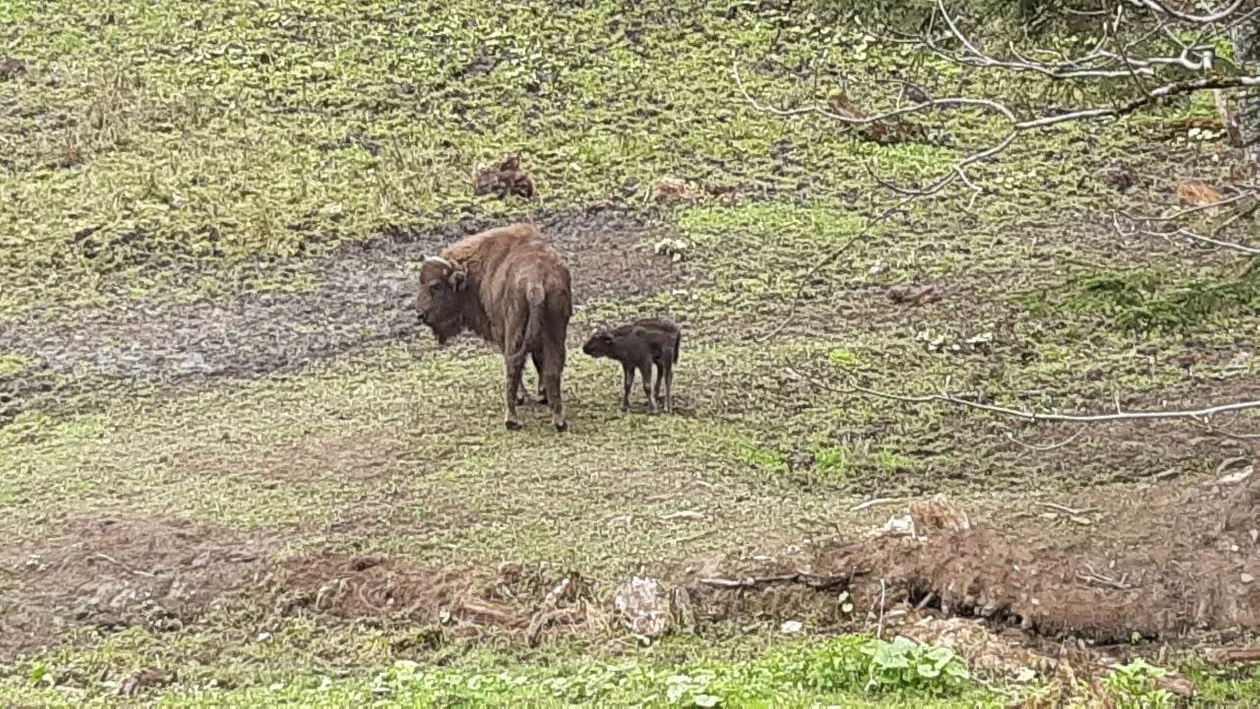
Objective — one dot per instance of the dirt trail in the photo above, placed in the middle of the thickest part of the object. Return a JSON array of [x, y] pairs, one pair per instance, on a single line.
[[363, 296]]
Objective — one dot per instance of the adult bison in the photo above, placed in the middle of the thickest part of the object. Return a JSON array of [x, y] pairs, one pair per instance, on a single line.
[[511, 287]]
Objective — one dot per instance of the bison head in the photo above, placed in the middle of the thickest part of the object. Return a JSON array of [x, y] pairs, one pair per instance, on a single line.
[[599, 344], [439, 303]]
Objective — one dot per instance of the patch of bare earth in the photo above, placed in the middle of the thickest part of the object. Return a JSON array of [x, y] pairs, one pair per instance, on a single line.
[[112, 574], [162, 575]]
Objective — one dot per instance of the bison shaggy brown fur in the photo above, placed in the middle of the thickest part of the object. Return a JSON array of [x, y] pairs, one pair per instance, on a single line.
[[639, 345], [511, 287]]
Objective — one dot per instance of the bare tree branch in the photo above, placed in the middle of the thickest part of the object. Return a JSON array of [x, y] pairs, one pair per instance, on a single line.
[[1017, 127], [1191, 210], [1163, 9], [1186, 233], [1250, 251]]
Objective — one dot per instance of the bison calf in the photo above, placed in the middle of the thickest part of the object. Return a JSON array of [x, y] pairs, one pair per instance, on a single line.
[[639, 345], [511, 287]]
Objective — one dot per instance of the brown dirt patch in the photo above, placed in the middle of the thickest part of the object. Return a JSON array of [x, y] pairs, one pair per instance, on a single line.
[[162, 575], [112, 574]]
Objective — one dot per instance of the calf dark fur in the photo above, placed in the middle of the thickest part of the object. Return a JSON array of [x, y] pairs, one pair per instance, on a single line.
[[638, 346], [511, 287]]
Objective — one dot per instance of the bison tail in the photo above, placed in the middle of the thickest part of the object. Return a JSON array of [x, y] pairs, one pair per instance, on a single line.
[[537, 297], [677, 348]]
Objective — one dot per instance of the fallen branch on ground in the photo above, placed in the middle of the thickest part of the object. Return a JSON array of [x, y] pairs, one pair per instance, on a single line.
[[1198, 415], [819, 582], [547, 612], [1066, 510], [1234, 654], [877, 502], [549, 618]]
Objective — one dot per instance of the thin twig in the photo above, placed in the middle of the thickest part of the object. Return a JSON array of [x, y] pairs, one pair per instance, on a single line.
[[1185, 16], [1190, 210], [115, 562], [750, 582], [1097, 578], [1250, 251], [1016, 126], [1192, 414], [877, 502], [811, 580], [800, 287], [1197, 415], [1066, 510], [1045, 449]]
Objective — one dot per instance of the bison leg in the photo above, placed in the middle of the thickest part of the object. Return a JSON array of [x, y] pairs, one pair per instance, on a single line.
[[542, 383], [553, 369], [645, 368], [660, 374], [514, 366], [669, 386]]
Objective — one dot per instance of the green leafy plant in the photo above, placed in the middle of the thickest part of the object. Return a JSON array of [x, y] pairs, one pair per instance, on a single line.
[[1134, 685], [765, 459], [844, 358], [832, 460], [906, 665]]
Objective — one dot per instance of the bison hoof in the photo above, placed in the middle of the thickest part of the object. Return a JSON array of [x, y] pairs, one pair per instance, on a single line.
[[512, 425], [561, 426]]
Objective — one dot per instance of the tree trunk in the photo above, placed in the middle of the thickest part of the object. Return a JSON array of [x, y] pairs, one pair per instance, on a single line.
[[1246, 38]]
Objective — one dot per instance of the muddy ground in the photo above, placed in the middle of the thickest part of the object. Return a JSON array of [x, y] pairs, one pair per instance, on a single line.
[[363, 297]]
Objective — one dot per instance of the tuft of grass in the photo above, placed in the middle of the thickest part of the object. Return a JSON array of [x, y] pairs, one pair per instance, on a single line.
[[1146, 302]]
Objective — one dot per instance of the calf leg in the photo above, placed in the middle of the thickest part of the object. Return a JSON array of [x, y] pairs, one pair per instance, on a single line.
[[627, 381], [645, 368], [553, 370]]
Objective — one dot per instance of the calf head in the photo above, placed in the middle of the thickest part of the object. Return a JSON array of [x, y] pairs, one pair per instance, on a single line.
[[599, 344], [440, 300]]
